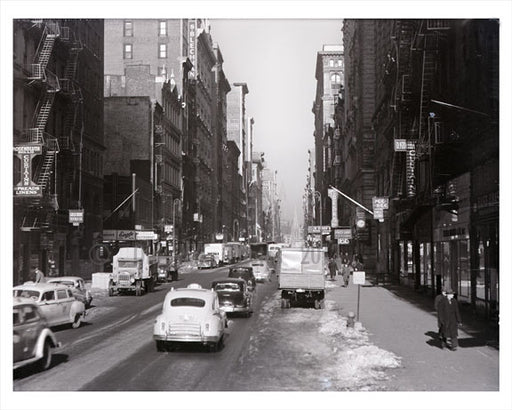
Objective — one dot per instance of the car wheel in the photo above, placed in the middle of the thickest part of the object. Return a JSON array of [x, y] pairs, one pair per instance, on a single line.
[[45, 362], [77, 322], [160, 346]]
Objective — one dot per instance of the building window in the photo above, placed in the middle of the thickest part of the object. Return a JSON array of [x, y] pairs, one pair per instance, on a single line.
[[128, 28], [162, 28], [331, 63], [335, 79], [340, 63], [162, 51], [127, 51]]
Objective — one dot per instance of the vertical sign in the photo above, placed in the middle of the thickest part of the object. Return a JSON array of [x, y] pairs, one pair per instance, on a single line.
[[409, 168], [334, 203], [27, 187], [192, 44]]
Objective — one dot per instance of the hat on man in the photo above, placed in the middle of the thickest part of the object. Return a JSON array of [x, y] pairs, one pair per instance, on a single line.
[[449, 291]]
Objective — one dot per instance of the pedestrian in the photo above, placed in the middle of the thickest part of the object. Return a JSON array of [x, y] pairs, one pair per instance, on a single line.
[[450, 318], [345, 272], [332, 267], [39, 275], [437, 301]]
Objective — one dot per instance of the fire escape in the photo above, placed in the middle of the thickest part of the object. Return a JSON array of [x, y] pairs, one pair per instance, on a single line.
[[403, 35], [431, 135], [39, 212]]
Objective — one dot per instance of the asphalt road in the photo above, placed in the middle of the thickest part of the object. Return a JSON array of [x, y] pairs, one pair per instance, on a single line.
[[114, 349]]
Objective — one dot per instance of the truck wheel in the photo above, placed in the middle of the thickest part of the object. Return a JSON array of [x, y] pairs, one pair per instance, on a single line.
[[160, 346], [45, 362], [138, 288], [77, 322]]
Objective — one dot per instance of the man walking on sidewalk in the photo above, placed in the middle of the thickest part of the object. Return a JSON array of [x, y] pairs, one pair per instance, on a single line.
[[437, 301], [450, 318]]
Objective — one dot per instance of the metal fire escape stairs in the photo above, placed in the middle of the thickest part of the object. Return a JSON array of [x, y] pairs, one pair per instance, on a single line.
[[404, 30], [38, 215]]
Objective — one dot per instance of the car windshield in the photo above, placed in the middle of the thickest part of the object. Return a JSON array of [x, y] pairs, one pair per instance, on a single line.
[[257, 264], [127, 264], [64, 282], [25, 293], [189, 302], [227, 286]]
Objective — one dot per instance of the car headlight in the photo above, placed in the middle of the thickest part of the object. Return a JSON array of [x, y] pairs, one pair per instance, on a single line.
[[207, 327], [132, 279]]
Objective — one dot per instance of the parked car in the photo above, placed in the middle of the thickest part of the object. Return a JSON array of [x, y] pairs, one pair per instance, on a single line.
[[56, 302], [234, 296], [261, 270], [77, 286], [190, 315], [32, 340], [206, 260], [244, 272]]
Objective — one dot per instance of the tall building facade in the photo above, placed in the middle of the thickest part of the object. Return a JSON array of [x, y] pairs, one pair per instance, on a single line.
[[224, 220], [436, 98], [329, 75], [358, 138], [58, 144], [237, 132]]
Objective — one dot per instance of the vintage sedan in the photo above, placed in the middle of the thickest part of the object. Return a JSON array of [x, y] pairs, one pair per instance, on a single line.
[[244, 272], [206, 260], [261, 270], [56, 302], [77, 286], [32, 340], [190, 315], [234, 297]]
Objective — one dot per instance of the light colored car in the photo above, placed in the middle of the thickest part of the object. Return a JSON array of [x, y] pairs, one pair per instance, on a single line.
[[261, 270], [77, 286], [190, 315], [56, 302], [32, 340]]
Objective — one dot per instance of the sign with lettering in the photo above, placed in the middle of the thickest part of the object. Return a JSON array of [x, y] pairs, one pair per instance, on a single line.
[[76, 216], [126, 235], [410, 164], [358, 277], [334, 206], [109, 235], [343, 233], [324, 230], [400, 145], [26, 186], [192, 44], [145, 236]]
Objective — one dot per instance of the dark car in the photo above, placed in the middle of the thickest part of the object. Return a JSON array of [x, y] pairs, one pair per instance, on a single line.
[[244, 272], [234, 296]]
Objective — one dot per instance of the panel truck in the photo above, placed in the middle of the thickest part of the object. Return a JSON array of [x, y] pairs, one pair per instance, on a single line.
[[217, 249], [301, 277], [133, 271]]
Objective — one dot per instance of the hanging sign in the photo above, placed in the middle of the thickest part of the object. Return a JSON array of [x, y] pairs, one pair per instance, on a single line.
[[26, 186]]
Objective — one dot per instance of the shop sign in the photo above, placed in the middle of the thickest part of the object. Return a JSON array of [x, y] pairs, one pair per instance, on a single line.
[[334, 206], [342, 233], [324, 230], [343, 241], [192, 44], [168, 228], [409, 168], [126, 235], [26, 186], [145, 236], [400, 145], [109, 235], [76, 216]]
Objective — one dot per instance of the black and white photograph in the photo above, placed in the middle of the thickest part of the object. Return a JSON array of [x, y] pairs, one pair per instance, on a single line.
[[255, 204]]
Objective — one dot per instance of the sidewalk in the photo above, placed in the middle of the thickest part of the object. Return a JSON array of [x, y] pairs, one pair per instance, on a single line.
[[404, 322]]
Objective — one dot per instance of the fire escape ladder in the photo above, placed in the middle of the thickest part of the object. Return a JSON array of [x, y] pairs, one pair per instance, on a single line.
[[43, 111], [46, 169], [44, 51], [429, 67]]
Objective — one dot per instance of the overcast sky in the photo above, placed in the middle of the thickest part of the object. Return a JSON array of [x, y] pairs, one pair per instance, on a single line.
[[277, 60]]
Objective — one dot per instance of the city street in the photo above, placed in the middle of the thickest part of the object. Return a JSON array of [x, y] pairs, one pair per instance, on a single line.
[[298, 349]]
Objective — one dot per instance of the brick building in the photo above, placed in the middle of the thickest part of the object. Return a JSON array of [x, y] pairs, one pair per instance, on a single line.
[[58, 137]]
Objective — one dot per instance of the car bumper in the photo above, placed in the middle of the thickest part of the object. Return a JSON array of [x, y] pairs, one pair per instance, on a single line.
[[234, 309], [186, 338]]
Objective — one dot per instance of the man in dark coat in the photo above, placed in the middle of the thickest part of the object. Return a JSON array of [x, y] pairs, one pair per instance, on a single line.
[[437, 301], [332, 267], [450, 318]]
